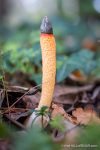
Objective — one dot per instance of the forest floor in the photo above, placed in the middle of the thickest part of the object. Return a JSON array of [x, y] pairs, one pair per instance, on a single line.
[[78, 103]]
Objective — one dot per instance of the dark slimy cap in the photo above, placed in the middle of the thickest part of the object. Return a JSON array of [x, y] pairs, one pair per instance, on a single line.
[[46, 26]]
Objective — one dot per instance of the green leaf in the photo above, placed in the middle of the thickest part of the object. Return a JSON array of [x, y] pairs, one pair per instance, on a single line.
[[82, 60], [1, 77], [90, 136], [5, 131], [34, 139], [43, 111], [96, 71], [57, 123], [37, 77]]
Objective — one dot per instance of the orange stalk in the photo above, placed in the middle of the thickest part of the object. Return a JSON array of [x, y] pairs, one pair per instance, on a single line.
[[48, 48]]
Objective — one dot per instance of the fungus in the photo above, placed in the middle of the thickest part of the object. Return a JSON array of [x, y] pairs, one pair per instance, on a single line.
[[48, 49]]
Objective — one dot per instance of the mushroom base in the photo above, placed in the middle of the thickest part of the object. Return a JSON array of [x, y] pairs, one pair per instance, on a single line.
[[35, 120]]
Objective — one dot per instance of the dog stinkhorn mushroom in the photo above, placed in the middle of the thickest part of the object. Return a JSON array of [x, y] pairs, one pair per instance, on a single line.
[[48, 48]]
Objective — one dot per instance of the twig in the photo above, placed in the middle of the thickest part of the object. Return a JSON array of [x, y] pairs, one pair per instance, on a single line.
[[72, 107], [15, 122], [5, 90], [18, 100], [28, 92], [5, 109], [64, 90]]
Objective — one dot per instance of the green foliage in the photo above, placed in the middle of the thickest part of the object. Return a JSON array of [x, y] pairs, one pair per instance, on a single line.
[[42, 112], [25, 60], [82, 60], [1, 65], [89, 137], [19, 60], [34, 139], [22, 53], [96, 71], [5, 131], [86, 7], [1, 77], [57, 123]]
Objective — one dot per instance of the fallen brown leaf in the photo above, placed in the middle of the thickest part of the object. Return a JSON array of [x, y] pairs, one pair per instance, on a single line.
[[68, 121], [85, 116], [58, 109], [77, 75]]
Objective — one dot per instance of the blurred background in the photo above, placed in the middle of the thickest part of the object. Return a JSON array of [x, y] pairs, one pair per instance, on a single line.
[[76, 25]]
